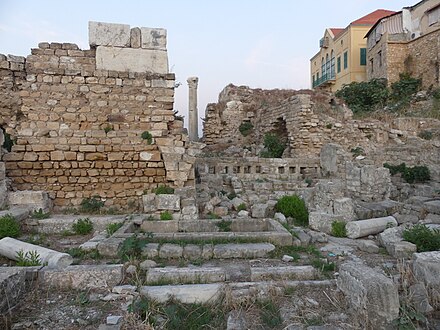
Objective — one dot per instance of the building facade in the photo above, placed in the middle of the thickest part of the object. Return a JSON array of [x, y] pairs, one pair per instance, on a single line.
[[342, 57], [406, 42]]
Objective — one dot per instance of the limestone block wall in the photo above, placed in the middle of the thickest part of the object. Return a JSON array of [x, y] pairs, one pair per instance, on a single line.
[[78, 126], [236, 105], [425, 54], [419, 57], [304, 136], [3, 193]]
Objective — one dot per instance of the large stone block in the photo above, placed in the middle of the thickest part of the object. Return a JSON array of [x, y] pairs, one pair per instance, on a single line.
[[33, 200], [260, 210], [433, 206], [250, 250], [109, 34], [329, 159], [186, 275], [187, 294], [322, 221], [370, 294], [426, 268], [131, 59], [153, 38], [345, 208], [82, 277], [12, 286], [3, 193], [168, 202]]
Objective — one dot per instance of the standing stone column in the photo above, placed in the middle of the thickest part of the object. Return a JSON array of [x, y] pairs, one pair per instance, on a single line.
[[193, 127]]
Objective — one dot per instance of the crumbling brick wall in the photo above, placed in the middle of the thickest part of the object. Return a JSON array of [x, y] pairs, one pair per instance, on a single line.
[[78, 128]]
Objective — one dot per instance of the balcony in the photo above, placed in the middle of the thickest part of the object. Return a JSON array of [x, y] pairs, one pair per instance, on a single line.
[[324, 42], [327, 78]]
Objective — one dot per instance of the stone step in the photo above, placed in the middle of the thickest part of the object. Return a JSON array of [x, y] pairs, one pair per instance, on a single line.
[[204, 275], [186, 275], [242, 251], [283, 273], [204, 293], [18, 212]]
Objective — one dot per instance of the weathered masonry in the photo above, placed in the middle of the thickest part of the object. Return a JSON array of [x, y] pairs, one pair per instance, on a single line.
[[94, 122]]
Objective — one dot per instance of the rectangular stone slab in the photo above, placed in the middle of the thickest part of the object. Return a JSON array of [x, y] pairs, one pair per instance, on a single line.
[[187, 294], [83, 277], [370, 292], [131, 59], [109, 34], [186, 275]]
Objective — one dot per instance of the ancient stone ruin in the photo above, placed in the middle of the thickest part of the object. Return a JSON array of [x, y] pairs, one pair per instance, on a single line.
[[282, 215]]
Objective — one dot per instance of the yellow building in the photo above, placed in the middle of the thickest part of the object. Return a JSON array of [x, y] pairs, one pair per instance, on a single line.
[[342, 57]]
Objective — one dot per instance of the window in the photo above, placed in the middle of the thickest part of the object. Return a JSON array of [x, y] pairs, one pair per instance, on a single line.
[[434, 16], [338, 64], [379, 55], [332, 65], [363, 56], [372, 65], [345, 60]]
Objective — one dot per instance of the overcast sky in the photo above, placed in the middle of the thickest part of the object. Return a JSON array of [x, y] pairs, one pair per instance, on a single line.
[[261, 44]]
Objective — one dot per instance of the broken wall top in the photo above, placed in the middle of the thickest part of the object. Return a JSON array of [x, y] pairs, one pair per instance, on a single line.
[[119, 48]]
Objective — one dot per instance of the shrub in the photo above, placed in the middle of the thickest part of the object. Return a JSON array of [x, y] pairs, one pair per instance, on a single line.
[[82, 226], [231, 195], [410, 174], [364, 96], [224, 225], [28, 259], [91, 205], [9, 227], [241, 207], [405, 87], [426, 135], [113, 227], [425, 238], [108, 128], [132, 248], [163, 190], [417, 174], [166, 216], [40, 214], [338, 229], [245, 128], [270, 314], [274, 146], [293, 206], [213, 216], [357, 151], [147, 136]]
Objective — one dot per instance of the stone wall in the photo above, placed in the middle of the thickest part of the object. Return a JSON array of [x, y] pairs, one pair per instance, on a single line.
[[3, 196], [419, 57], [236, 105], [424, 53], [78, 118]]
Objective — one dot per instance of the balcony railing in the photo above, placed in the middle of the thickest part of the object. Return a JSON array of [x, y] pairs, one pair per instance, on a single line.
[[325, 78]]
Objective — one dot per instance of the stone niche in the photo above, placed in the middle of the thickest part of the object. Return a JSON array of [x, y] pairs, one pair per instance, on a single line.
[[95, 122]]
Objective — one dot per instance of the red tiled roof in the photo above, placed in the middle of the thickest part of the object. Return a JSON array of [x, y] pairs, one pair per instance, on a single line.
[[373, 17], [336, 32]]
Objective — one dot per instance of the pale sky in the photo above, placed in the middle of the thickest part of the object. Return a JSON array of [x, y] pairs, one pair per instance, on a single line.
[[257, 43]]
